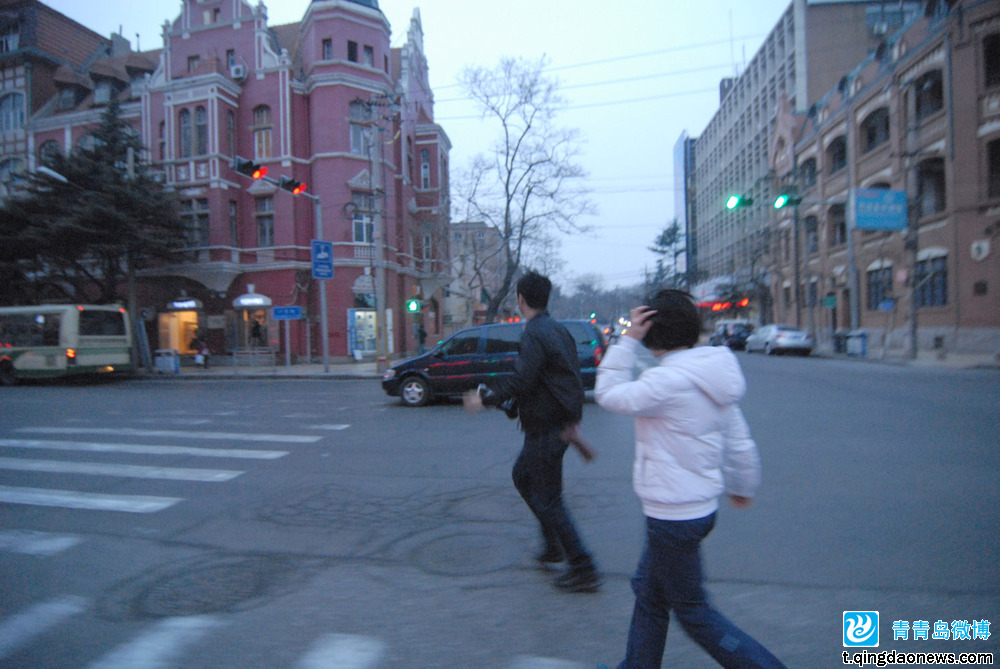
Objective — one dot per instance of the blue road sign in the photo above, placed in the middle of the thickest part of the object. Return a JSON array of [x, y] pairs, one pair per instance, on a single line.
[[287, 313], [879, 209], [322, 259]]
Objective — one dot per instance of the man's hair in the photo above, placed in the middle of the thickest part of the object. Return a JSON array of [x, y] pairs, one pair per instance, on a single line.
[[535, 290], [676, 323]]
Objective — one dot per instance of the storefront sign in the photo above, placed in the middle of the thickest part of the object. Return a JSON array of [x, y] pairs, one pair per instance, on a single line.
[[184, 304]]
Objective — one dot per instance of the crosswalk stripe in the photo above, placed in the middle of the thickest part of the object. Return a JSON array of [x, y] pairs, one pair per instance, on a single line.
[[22, 627], [544, 663], [97, 447], [343, 651], [69, 499], [31, 542], [133, 432], [160, 646], [127, 471]]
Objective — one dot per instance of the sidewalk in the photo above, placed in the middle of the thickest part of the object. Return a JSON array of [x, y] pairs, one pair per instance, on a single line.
[[367, 369]]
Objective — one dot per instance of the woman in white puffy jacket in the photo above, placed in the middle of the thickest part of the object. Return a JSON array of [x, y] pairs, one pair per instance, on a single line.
[[692, 445]]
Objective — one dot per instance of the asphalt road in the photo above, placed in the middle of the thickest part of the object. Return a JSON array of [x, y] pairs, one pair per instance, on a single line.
[[293, 523]]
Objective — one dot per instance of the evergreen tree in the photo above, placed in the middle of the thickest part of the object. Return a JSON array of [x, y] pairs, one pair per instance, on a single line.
[[78, 239]]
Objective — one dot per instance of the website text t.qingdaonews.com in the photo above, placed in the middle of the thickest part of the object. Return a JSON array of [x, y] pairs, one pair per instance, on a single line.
[[888, 658]]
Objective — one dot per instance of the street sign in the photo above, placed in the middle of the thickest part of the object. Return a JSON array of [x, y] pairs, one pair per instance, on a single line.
[[322, 259], [879, 209], [287, 313]]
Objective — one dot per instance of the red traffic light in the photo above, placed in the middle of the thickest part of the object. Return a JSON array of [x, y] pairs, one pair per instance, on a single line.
[[249, 168], [292, 186]]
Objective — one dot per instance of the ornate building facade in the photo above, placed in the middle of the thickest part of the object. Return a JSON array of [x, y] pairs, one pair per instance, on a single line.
[[325, 101]]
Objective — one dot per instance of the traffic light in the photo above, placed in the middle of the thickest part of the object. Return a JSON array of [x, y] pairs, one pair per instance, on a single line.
[[736, 201], [593, 316], [413, 306], [249, 168], [786, 198], [292, 185]]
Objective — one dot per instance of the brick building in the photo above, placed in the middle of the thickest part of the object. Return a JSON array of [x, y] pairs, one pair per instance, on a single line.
[[921, 116], [325, 101]]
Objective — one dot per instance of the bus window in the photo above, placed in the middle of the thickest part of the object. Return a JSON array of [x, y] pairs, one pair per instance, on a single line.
[[101, 324]]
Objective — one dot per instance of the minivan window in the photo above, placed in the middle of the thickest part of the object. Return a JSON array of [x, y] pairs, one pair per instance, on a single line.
[[503, 338], [462, 343], [582, 333]]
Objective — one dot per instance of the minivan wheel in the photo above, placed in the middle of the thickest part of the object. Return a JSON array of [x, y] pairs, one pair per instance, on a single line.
[[415, 392], [7, 375]]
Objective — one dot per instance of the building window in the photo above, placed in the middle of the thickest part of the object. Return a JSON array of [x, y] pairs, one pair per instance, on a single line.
[[265, 221], [812, 234], [352, 51], [879, 285], [838, 225], [11, 112], [364, 228], [428, 247], [193, 63], [230, 57], [8, 38], [49, 152], [196, 215], [931, 282], [185, 134], [929, 92], [930, 187], [993, 169], [369, 56], [360, 114], [875, 130], [231, 132], [201, 131], [808, 173], [234, 236], [836, 154], [262, 132], [162, 141], [328, 49], [991, 59], [10, 169], [425, 168], [102, 92], [67, 98]]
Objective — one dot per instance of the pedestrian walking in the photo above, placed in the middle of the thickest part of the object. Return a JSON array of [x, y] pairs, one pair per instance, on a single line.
[[548, 392], [692, 446]]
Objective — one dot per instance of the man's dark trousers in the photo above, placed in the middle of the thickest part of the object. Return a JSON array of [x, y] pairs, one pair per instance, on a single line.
[[538, 477]]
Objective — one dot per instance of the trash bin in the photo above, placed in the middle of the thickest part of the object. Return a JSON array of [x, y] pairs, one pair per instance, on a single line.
[[840, 341], [857, 343], [168, 361]]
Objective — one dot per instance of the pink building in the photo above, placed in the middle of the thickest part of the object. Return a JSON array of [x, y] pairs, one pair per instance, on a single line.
[[325, 101]]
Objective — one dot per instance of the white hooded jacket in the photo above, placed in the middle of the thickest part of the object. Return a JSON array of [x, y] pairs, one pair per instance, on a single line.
[[692, 443]]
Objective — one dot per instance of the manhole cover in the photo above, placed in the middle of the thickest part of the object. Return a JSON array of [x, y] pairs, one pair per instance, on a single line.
[[466, 555]]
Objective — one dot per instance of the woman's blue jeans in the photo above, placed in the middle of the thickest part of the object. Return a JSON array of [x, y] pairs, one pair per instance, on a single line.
[[669, 579]]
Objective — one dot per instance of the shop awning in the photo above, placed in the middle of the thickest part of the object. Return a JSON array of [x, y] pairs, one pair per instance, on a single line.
[[252, 301]]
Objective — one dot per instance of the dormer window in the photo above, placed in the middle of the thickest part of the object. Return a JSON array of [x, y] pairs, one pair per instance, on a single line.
[[102, 93], [9, 39], [67, 98]]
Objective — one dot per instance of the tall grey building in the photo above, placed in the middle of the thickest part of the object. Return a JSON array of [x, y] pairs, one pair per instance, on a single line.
[[811, 47]]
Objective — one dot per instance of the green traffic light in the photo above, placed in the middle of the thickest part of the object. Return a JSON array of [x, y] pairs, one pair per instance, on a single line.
[[781, 201], [413, 306], [733, 202]]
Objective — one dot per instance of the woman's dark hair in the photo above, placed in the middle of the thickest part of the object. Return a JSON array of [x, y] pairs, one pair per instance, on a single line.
[[676, 323], [535, 290]]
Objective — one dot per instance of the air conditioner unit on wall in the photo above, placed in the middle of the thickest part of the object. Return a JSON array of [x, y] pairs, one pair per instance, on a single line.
[[238, 71]]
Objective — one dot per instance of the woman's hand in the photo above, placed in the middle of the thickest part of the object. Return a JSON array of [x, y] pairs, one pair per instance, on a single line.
[[641, 318]]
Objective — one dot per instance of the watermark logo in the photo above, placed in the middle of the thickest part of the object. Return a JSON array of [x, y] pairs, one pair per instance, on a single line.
[[860, 629]]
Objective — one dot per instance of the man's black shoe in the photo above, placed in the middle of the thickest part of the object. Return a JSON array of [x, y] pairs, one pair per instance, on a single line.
[[582, 579]]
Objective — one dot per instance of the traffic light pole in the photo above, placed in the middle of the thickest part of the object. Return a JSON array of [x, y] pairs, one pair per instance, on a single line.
[[324, 324]]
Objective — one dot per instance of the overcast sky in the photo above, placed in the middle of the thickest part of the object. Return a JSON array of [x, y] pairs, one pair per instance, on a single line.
[[635, 75]]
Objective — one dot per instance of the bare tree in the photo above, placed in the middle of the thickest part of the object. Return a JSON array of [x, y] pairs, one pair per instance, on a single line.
[[527, 187]]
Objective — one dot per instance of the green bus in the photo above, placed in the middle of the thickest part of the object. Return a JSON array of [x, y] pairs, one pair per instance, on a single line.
[[55, 340]]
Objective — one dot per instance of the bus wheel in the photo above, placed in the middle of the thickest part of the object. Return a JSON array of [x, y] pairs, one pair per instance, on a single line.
[[7, 375]]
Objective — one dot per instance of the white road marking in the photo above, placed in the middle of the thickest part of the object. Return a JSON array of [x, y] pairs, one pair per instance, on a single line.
[[327, 427], [22, 627], [31, 542], [125, 471], [186, 434], [543, 663], [69, 499], [158, 647], [98, 447], [343, 651]]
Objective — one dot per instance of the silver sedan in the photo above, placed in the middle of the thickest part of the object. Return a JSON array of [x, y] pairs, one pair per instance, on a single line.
[[780, 339]]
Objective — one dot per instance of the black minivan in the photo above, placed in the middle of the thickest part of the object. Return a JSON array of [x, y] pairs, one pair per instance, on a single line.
[[477, 354]]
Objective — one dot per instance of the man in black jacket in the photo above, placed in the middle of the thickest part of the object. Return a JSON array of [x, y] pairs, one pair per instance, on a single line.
[[549, 393]]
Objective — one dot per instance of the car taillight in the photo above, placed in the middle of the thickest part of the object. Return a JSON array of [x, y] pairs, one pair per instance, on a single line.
[[598, 356]]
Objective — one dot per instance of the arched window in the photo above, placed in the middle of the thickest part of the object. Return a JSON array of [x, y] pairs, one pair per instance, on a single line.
[[185, 133], [11, 112], [200, 131], [836, 154], [812, 234], [49, 152], [875, 129], [262, 132], [991, 59], [928, 91], [808, 173], [930, 187]]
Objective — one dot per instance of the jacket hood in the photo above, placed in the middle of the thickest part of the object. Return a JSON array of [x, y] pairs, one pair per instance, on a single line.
[[713, 369]]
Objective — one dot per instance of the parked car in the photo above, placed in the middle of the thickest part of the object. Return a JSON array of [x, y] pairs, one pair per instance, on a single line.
[[477, 354], [732, 334], [780, 339]]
